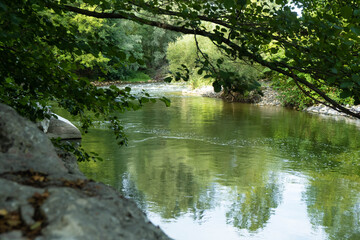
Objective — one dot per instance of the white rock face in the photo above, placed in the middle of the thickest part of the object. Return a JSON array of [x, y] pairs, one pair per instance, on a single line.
[[62, 128]]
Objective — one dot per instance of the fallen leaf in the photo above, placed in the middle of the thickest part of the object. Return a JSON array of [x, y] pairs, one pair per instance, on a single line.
[[35, 225], [3, 212], [38, 178], [14, 221]]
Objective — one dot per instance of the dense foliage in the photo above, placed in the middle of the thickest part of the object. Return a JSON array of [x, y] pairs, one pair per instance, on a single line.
[[43, 50], [138, 41]]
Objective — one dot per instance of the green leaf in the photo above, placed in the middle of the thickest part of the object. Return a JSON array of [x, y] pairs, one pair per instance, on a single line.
[[8, 80], [346, 12], [229, 3], [132, 59], [347, 85], [266, 70], [345, 94], [357, 12], [168, 79], [166, 101], [288, 54], [140, 62], [356, 78], [241, 2], [217, 86], [274, 50], [3, 6], [355, 30]]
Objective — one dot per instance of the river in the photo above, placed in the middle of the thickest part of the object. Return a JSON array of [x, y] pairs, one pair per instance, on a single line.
[[207, 169]]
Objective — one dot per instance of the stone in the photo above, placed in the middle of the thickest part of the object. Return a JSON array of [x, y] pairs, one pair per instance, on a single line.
[[56, 198], [23, 146], [69, 161], [270, 97], [62, 128], [44, 125], [14, 235], [83, 217], [27, 213]]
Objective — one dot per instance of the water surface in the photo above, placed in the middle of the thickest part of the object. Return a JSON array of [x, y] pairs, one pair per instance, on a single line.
[[206, 169]]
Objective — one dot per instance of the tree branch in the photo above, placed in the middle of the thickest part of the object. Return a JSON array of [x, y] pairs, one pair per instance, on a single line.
[[240, 50]]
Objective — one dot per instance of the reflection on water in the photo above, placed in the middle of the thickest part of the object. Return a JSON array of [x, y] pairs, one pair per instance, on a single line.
[[205, 169]]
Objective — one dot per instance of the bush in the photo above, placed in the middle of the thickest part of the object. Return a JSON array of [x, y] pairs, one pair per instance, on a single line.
[[184, 51], [139, 77], [292, 96]]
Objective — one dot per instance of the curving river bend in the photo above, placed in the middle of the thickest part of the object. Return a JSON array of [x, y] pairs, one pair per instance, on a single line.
[[207, 169]]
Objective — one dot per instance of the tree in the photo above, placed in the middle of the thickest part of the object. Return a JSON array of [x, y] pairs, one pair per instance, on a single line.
[[40, 48], [323, 43], [184, 50]]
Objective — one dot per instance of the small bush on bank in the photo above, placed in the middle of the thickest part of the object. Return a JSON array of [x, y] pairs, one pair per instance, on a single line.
[[243, 76], [291, 96], [139, 77]]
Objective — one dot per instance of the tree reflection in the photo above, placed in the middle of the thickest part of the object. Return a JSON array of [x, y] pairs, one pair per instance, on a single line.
[[187, 176], [253, 208], [172, 186], [333, 199]]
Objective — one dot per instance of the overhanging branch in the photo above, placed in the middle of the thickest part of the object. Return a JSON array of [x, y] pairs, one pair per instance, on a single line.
[[240, 50]]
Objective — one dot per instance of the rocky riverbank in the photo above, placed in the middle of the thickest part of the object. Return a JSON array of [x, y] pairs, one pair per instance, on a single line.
[[271, 98], [45, 197], [322, 109]]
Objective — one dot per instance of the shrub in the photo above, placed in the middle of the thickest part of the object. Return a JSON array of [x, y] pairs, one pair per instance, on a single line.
[[243, 76]]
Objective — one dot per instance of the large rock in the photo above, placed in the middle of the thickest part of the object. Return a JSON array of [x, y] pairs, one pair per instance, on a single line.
[[24, 147], [62, 128], [43, 198]]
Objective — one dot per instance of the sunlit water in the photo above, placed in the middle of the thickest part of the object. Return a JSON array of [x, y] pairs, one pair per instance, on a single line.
[[206, 169]]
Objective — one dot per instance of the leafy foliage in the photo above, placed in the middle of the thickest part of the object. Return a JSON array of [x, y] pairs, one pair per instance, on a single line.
[[292, 96], [77, 150], [136, 41], [322, 43], [184, 50], [42, 48]]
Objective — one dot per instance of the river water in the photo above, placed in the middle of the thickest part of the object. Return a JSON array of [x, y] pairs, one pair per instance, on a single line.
[[207, 169]]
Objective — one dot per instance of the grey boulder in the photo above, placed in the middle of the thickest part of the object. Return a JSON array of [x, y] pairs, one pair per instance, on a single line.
[[43, 198]]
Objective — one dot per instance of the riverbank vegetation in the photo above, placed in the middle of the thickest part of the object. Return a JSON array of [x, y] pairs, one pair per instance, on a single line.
[[185, 51], [52, 50]]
